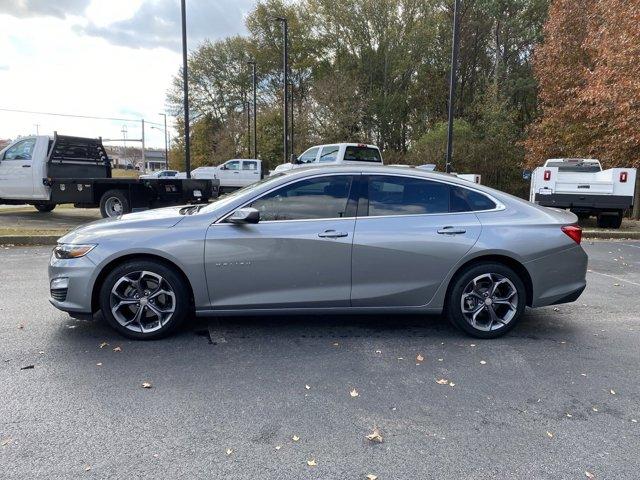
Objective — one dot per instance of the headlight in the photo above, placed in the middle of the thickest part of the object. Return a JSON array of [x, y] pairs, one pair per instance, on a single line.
[[65, 251]]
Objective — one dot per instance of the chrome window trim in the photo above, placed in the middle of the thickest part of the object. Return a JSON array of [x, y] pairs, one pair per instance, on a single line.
[[226, 215], [499, 205]]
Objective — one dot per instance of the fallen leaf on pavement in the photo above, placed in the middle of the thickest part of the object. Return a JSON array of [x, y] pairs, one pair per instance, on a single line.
[[20, 326], [472, 345], [482, 362], [117, 349], [616, 284], [307, 387], [442, 381], [6, 441], [104, 344], [278, 447], [549, 434], [594, 409], [371, 476], [27, 367], [378, 351], [311, 463], [146, 385], [229, 451], [295, 438], [589, 474], [87, 468], [633, 420], [71, 326], [375, 436], [419, 358], [99, 364], [336, 344], [612, 392], [354, 393]]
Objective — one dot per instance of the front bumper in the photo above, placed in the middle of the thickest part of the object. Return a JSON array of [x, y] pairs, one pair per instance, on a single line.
[[559, 277], [76, 275]]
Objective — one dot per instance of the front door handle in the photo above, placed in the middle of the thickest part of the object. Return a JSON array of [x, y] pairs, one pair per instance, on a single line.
[[26, 166], [451, 231], [332, 234]]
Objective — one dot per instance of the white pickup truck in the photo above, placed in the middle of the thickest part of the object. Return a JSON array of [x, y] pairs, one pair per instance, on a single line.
[[45, 172], [334, 154], [232, 174], [580, 185]]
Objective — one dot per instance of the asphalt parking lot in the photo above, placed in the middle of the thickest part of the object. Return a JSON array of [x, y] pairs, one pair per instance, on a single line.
[[558, 397]]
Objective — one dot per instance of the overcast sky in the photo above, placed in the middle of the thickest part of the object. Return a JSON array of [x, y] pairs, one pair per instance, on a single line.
[[111, 58]]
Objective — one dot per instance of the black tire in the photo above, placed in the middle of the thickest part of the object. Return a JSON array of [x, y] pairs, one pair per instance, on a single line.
[[461, 282], [44, 207], [114, 203], [610, 220], [171, 279]]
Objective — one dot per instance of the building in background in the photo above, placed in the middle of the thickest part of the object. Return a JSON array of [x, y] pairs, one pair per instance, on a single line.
[[4, 142], [154, 160]]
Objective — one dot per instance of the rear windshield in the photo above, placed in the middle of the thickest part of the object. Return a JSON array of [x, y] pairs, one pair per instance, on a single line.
[[362, 154], [586, 167]]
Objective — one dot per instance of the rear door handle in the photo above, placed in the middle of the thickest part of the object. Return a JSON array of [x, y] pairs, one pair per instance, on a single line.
[[26, 166], [332, 234], [451, 231]]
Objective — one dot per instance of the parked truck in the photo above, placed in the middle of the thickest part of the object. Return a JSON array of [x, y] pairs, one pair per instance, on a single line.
[[232, 174], [582, 186], [45, 172], [334, 154]]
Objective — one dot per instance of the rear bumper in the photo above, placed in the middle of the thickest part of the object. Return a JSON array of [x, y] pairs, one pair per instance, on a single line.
[[585, 201], [559, 277]]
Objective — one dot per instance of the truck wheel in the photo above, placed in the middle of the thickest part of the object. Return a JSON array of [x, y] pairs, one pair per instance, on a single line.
[[44, 207], [144, 300], [113, 204]]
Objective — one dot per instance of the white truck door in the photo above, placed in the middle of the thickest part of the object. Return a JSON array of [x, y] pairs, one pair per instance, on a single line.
[[229, 174], [17, 170], [250, 172]]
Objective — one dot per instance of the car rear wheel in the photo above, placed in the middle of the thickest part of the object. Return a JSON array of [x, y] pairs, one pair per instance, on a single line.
[[144, 300], [486, 300], [44, 207]]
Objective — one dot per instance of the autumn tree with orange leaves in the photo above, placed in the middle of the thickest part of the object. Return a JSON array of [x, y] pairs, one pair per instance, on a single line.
[[588, 69]]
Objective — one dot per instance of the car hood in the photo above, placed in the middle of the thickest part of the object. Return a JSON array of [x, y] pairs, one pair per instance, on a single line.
[[155, 218]]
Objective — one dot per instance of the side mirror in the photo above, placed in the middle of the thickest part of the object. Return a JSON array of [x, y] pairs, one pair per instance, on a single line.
[[294, 158], [526, 174], [245, 215]]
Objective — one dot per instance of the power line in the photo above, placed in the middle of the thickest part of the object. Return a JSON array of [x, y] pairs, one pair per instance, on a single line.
[[77, 116]]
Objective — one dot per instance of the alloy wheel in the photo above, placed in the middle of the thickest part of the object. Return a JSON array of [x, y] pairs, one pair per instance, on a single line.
[[143, 301], [489, 302]]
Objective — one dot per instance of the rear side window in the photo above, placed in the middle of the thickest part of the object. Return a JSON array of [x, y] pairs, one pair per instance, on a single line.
[[362, 154], [465, 200], [250, 165], [329, 153], [406, 196]]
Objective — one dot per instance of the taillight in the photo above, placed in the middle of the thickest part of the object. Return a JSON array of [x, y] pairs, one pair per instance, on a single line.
[[574, 232], [547, 175], [623, 177]]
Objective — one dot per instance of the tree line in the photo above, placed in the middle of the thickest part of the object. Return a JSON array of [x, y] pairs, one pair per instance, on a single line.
[[377, 71]]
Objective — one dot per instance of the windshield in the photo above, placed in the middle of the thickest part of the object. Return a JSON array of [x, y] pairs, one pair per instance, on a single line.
[[229, 197], [362, 154]]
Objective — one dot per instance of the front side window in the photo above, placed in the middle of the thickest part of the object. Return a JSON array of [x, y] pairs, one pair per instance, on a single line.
[[406, 196], [309, 156], [314, 198], [21, 150], [329, 153], [234, 165], [253, 166], [362, 154]]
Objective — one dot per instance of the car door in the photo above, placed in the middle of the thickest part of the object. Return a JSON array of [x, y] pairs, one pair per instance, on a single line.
[[406, 240], [250, 172], [229, 174], [16, 170], [297, 256]]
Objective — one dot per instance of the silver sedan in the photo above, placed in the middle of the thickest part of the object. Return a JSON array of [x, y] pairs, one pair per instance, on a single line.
[[356, 239]]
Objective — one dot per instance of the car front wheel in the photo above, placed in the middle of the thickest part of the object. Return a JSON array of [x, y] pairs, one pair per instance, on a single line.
[[486, 300], [144, 300]]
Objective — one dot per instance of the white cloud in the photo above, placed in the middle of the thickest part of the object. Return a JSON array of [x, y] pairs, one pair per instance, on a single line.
[[122, 69]]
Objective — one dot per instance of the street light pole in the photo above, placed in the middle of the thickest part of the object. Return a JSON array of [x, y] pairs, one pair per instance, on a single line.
[[185, 82], [255, 110], [247, 105], [292, 104], [452, 82], [285, 70], [166, 145]]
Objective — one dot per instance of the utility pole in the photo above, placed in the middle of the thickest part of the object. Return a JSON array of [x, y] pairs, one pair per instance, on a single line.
[[452, 82], [292, 104], [285, 71], [124, 143], [255, 110], [166, 145], [185, 82], [37, 125], [144, 160], [247, 106]]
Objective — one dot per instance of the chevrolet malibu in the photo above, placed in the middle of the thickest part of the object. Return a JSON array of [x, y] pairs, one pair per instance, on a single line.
[[352, 239]]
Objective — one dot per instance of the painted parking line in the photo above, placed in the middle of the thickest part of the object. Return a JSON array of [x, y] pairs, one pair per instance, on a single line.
[[628, 245], [615, 278]]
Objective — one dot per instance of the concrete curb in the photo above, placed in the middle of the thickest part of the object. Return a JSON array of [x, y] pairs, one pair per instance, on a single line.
[[611, 235], [29, 239]]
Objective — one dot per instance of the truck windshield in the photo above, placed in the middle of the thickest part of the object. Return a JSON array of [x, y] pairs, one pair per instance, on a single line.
[[583, 167], [362, 154]]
